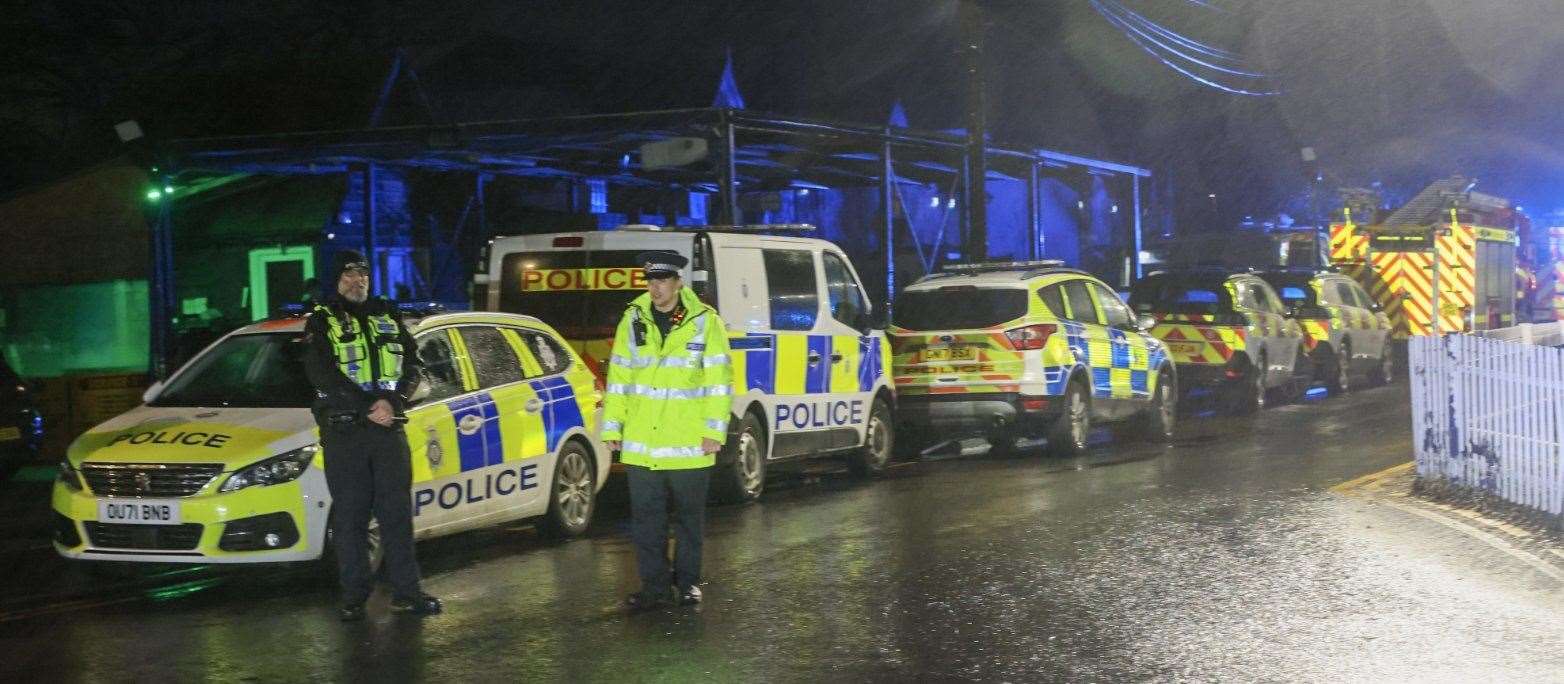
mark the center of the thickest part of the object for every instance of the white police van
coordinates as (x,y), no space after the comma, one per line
(811,360)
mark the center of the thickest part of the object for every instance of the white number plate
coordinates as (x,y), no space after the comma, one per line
(139,512)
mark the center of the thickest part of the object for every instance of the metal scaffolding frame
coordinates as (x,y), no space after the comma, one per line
(750,151)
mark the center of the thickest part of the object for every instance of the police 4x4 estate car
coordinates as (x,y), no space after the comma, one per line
(1024,349)
(1346,332)
(222,464)
(809,355)
(1226,330)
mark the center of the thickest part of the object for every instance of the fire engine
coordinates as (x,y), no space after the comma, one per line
(1444,262)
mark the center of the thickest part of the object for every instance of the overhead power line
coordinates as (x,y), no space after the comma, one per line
(1208,65)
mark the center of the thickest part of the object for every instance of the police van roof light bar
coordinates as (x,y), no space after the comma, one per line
(742,228)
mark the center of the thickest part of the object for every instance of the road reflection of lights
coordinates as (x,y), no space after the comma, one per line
(183,589)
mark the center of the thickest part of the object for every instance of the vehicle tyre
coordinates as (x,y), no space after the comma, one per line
(1248,395)
(879,442)
(741,477)
(573,496)
(328,552)
(1384,371)
(1073,427)
(1157,423)
(1340,379)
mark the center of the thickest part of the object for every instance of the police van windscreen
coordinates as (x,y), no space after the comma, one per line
(581,293)
(960,307)
(1181,295)
(244,371)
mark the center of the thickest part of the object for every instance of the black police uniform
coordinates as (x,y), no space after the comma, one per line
(368,467)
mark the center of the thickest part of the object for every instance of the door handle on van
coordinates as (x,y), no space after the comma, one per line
(469,424)
(534,405)
(836,358)
(814,358)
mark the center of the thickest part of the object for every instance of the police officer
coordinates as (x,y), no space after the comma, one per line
(666,413)
(363,364)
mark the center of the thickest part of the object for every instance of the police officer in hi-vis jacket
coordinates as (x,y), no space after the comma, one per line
(666,413)
(364,365)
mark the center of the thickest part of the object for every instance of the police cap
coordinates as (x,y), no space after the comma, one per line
(661,263)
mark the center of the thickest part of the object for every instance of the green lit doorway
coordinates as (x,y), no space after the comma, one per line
(277,276)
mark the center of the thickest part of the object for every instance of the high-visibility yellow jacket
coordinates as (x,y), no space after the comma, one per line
(665,395)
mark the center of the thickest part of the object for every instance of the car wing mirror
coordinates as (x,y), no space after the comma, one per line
(152,392)
(421,389)
(1146,322)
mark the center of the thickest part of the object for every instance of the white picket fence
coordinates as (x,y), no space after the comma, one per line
(1489,415)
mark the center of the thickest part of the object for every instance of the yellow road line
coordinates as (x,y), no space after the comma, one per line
(1357,482)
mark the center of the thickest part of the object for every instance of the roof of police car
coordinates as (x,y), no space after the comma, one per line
(1017,278)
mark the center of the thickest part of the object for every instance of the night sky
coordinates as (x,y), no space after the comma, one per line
(1392,91)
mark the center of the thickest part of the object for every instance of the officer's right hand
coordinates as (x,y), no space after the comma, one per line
(380,413)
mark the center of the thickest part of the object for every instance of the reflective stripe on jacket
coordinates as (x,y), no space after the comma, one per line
(664,396)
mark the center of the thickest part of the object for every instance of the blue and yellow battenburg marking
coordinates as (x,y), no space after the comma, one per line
(1120,365)
(779,364)
(518,421)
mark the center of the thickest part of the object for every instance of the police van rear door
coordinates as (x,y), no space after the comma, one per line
(580,283)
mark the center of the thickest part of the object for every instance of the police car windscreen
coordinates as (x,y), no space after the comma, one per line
(1293,290)
(581,293)
(958,308)
(244,371)
(1181,296)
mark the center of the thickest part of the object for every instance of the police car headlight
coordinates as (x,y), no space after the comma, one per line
(69,477)
(276,470)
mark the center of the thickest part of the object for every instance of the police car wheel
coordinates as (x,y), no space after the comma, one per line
(879,442)
(1071,430)
(742,477)
(1341,371)
(1384,371)
(573,496)
(1163,413)
(1248,395)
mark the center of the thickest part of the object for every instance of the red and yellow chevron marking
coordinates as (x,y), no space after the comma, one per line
(1406,278)
(1191,338)
(1347,244)
(1315,332)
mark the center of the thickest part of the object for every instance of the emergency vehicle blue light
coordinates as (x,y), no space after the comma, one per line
(1316,392)
(420,307)
(1291,293)
(292,308)
(1198,297)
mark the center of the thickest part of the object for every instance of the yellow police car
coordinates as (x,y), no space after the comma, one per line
(222,464)
(1024,349)
(1345,331)
(1226,330)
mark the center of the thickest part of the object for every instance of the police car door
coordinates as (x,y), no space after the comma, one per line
(854,344)
(800,400)
(504,476)
(431,429)
(1127,373)
(1093,345)
(561,409)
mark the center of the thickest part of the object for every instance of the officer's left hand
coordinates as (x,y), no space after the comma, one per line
(381,413)
(710,446)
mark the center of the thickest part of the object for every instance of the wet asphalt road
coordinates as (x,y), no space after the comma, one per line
(1222,558)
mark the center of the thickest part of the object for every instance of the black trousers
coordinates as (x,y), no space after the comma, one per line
(652,494)
(369,471)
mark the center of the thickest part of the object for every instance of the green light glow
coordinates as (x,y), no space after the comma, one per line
(154,195)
